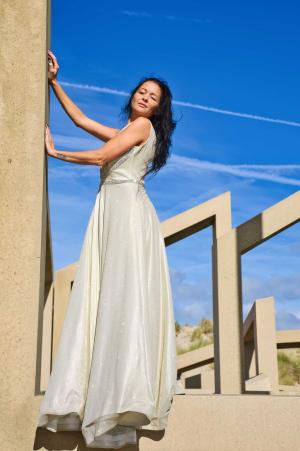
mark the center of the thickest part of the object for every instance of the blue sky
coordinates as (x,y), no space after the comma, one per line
(233,68)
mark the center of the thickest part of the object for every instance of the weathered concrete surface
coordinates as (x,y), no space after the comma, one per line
(23,212)
(211,423)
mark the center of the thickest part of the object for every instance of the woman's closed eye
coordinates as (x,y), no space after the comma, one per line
(152,97)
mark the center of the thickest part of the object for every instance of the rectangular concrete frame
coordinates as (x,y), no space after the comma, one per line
(260,343)
(227,251)
(261,322)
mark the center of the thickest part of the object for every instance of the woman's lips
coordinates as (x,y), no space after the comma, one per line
(142,104)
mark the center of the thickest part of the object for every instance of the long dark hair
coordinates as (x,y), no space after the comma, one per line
(162,121)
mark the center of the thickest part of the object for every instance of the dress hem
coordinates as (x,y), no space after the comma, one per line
(103,432)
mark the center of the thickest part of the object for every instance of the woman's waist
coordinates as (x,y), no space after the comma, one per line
(116,179)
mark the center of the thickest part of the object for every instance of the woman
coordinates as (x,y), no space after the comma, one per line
(115,368)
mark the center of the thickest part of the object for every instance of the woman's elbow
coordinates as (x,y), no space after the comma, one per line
(100,160)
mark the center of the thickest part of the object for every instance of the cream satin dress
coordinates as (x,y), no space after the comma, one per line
(115,368)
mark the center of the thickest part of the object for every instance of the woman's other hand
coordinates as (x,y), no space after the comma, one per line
(49,143)
(53,67)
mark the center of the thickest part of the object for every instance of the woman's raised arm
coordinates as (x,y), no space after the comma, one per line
(95,128)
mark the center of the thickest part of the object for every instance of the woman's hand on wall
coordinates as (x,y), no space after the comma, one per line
(49,143)
(53,67)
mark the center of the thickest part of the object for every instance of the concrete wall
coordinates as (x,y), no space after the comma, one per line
(210,423)
(25,264)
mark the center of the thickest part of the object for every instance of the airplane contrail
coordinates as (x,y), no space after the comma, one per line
(245,171)
(187,104)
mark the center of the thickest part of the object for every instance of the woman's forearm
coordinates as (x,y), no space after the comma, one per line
(91,157)
(68,105)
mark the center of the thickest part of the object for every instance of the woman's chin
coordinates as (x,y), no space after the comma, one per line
(140,112)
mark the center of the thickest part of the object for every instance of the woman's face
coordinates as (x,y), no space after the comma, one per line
(146,99)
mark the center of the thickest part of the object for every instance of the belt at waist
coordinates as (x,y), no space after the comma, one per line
(132,180)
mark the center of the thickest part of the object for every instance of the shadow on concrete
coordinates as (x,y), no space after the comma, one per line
(65,440)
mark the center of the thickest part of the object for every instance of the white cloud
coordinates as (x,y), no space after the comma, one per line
(75,142)
(187,19)
(173,18)
(285,288)
(136,13)
(286,320)
(182,163)
(192,299)
(72,171)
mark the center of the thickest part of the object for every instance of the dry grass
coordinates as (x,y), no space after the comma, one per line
(190,338)
(288,368)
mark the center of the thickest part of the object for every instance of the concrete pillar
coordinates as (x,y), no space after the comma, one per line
(228,315)
(25,263)
(265,340)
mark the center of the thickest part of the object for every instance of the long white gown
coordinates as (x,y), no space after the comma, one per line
(115,368)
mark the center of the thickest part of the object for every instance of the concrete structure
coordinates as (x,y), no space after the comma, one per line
(261,342)
(260,345)
(33,306)
(26,266)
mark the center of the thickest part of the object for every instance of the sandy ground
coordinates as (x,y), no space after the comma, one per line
(183,339)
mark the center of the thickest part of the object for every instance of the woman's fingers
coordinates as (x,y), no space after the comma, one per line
(54,67)
(52,56)
(48,139)
(51,69)
(48,134)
